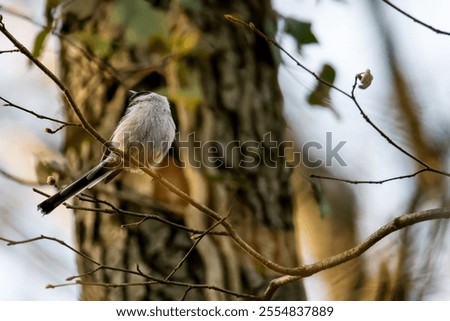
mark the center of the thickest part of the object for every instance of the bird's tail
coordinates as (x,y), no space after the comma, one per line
(91,178)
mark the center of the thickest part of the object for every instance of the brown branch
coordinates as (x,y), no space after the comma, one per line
(216,217)
(8,103)
(276,283)
(438,31)
(349,181)
(54,286)
(394,225)
(70,100)
(391,227)
(351,96)
(100,266)
(101,63)
(155,281)
(143,216)
(200,237)
(9,51)
(382,134)
(53,239)
(276,44)
(292,274)
(301,271)
(54,131)
(17,179)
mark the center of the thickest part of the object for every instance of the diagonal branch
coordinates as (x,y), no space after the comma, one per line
(9,51)
(8,103)
(350,95)
(100,266)
(338,259)
(331,178)
(291,274)
(438,31)
(70,100)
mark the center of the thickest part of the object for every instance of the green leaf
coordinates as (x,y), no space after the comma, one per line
(40,40)
(321,93)
(100,47)
(190,5)
(142,22)
(42,36)
(301,31)
(50,6)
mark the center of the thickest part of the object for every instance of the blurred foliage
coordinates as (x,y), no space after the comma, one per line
(301,31)
(136,23)
(190,5)
(142,25)
(321,93)
(303,35)
(141,22)
(42,36)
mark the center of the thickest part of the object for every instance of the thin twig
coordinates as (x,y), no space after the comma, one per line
(350,96)
(438,31)
(100,266)
(338,259)
(9,51)
(117,211)
(382,134)
(17,179)
(173,283)
(8,103)
(70,100)
(143,216)
(101,63)
(200,237)
(53,239)
(389,228)
(292,274)
(276,44)
(54,131)
(331,178)
(54,286)
(87,126)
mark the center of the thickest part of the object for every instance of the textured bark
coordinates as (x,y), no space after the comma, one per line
(240,102)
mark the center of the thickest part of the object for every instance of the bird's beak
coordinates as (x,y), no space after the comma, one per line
(132,92)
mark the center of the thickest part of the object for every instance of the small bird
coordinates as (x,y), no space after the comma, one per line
(145,133)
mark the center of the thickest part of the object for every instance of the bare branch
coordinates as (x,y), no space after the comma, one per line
(84,122)
(394,225)
(8,103)
(102,64)
(17,179)
(100,266)
(143,216)
(189,286)
(276,44)
(292,274)
(9,51)
(53,239)
(193,247)
(415,19)
(350,96)
(382,134)
(275,284)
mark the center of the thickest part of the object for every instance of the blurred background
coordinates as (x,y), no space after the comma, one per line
(408,99)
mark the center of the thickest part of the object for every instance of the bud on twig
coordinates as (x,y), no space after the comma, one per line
(365,78)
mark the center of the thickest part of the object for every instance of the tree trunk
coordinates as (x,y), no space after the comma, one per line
(222,80)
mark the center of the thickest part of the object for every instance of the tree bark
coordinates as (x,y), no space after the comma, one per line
(222,80)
